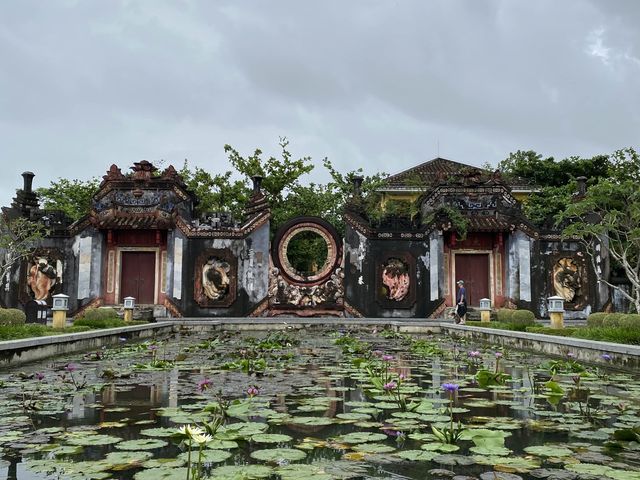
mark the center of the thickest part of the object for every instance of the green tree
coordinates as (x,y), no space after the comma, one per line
(555,180)
(216,193)
(73,197)
(18,238)
(608,217)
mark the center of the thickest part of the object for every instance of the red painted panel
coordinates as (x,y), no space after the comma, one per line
(473,269)
(138,276)
(147,238)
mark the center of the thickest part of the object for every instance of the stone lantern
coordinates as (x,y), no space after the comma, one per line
(485,310)
(129,305)
(60,308)
(555,306)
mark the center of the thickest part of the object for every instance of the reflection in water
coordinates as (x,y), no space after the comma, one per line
(318,381)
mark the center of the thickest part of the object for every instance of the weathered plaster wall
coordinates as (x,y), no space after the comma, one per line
(363,255)
(252,254)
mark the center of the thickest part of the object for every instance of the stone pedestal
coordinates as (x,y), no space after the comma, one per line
(557,319)
(128,315)
(485,316)
(59,318)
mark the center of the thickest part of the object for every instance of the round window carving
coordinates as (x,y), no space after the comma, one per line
(307,250)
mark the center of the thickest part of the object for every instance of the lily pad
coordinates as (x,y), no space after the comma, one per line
(278,455)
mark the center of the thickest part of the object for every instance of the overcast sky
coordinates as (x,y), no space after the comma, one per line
(372,84)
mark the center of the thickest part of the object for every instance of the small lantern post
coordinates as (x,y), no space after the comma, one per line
(485,310)
(555,306)
(60,308)
(129,304)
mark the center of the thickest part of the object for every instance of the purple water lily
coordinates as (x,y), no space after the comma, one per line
(387,358)
(390,386)
(204,384)
(253,391)
(71,367)
(606,357)
(450,387)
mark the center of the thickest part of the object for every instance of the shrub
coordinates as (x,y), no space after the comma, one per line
(504,314)
(595,319)
(612,320)
(558,332)
(12,316)
(99,322)
(631,320)
(15,332)
(523,317)
(101,313)
(498,325)
(610,334)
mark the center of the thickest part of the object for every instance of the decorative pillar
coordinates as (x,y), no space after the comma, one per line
(556,311)
(60,308)
(485,310)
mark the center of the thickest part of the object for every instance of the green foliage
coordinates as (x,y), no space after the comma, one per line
(99,313)
(18,238)
(547,172)
(99,323)
(14,332)
(610,334)
(610,211)
(523,317)
(560,332)
(73,197)
(448,214)
(542,207)
(426,348)
(307,253)
(352,345)
(504,314)
(12,316)
(487,378)
(596,319)
(216,193)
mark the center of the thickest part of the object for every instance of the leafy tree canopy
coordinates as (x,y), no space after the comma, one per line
(73,197)
(18,238)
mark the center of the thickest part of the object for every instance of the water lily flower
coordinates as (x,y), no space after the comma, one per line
(390,386)
(571,355)
(191,430)
(71,367)
(607,357)
(474,354)
(202,438)
(498,355)
(152,347)
(402,376)
(204,384)
(387,358)
(450,387)
(39,375)
(253,391)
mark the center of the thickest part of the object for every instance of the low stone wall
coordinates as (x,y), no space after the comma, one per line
(14,352)
(623,356)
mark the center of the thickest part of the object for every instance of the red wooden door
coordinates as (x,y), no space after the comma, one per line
(473,269)
(138,276)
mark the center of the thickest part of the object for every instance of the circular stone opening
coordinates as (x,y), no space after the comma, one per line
(307,253)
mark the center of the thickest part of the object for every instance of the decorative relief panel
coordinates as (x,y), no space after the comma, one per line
(396,280)
(569,280)
(43,275)
(215,282)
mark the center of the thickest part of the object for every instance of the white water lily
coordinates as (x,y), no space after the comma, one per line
(202,438)
(191,431)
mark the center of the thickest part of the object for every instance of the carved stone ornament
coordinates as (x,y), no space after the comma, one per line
(396,280)
(43,275)
(567,279)
(215,281)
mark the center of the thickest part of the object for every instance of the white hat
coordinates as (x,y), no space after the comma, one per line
(460,282)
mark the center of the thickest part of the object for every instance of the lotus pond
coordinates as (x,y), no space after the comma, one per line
(360,404)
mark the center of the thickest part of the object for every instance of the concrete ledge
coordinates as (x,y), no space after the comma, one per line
(13,352)
(591,351)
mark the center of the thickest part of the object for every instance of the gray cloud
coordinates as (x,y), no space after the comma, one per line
(377,84)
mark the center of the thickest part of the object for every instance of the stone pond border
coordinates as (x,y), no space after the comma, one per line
(15,352)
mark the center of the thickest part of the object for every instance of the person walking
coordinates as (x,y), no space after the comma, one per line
(461,303)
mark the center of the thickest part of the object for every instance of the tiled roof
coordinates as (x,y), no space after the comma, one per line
(433,172)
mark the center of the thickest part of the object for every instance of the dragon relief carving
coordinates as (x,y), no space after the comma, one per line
(282,292)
